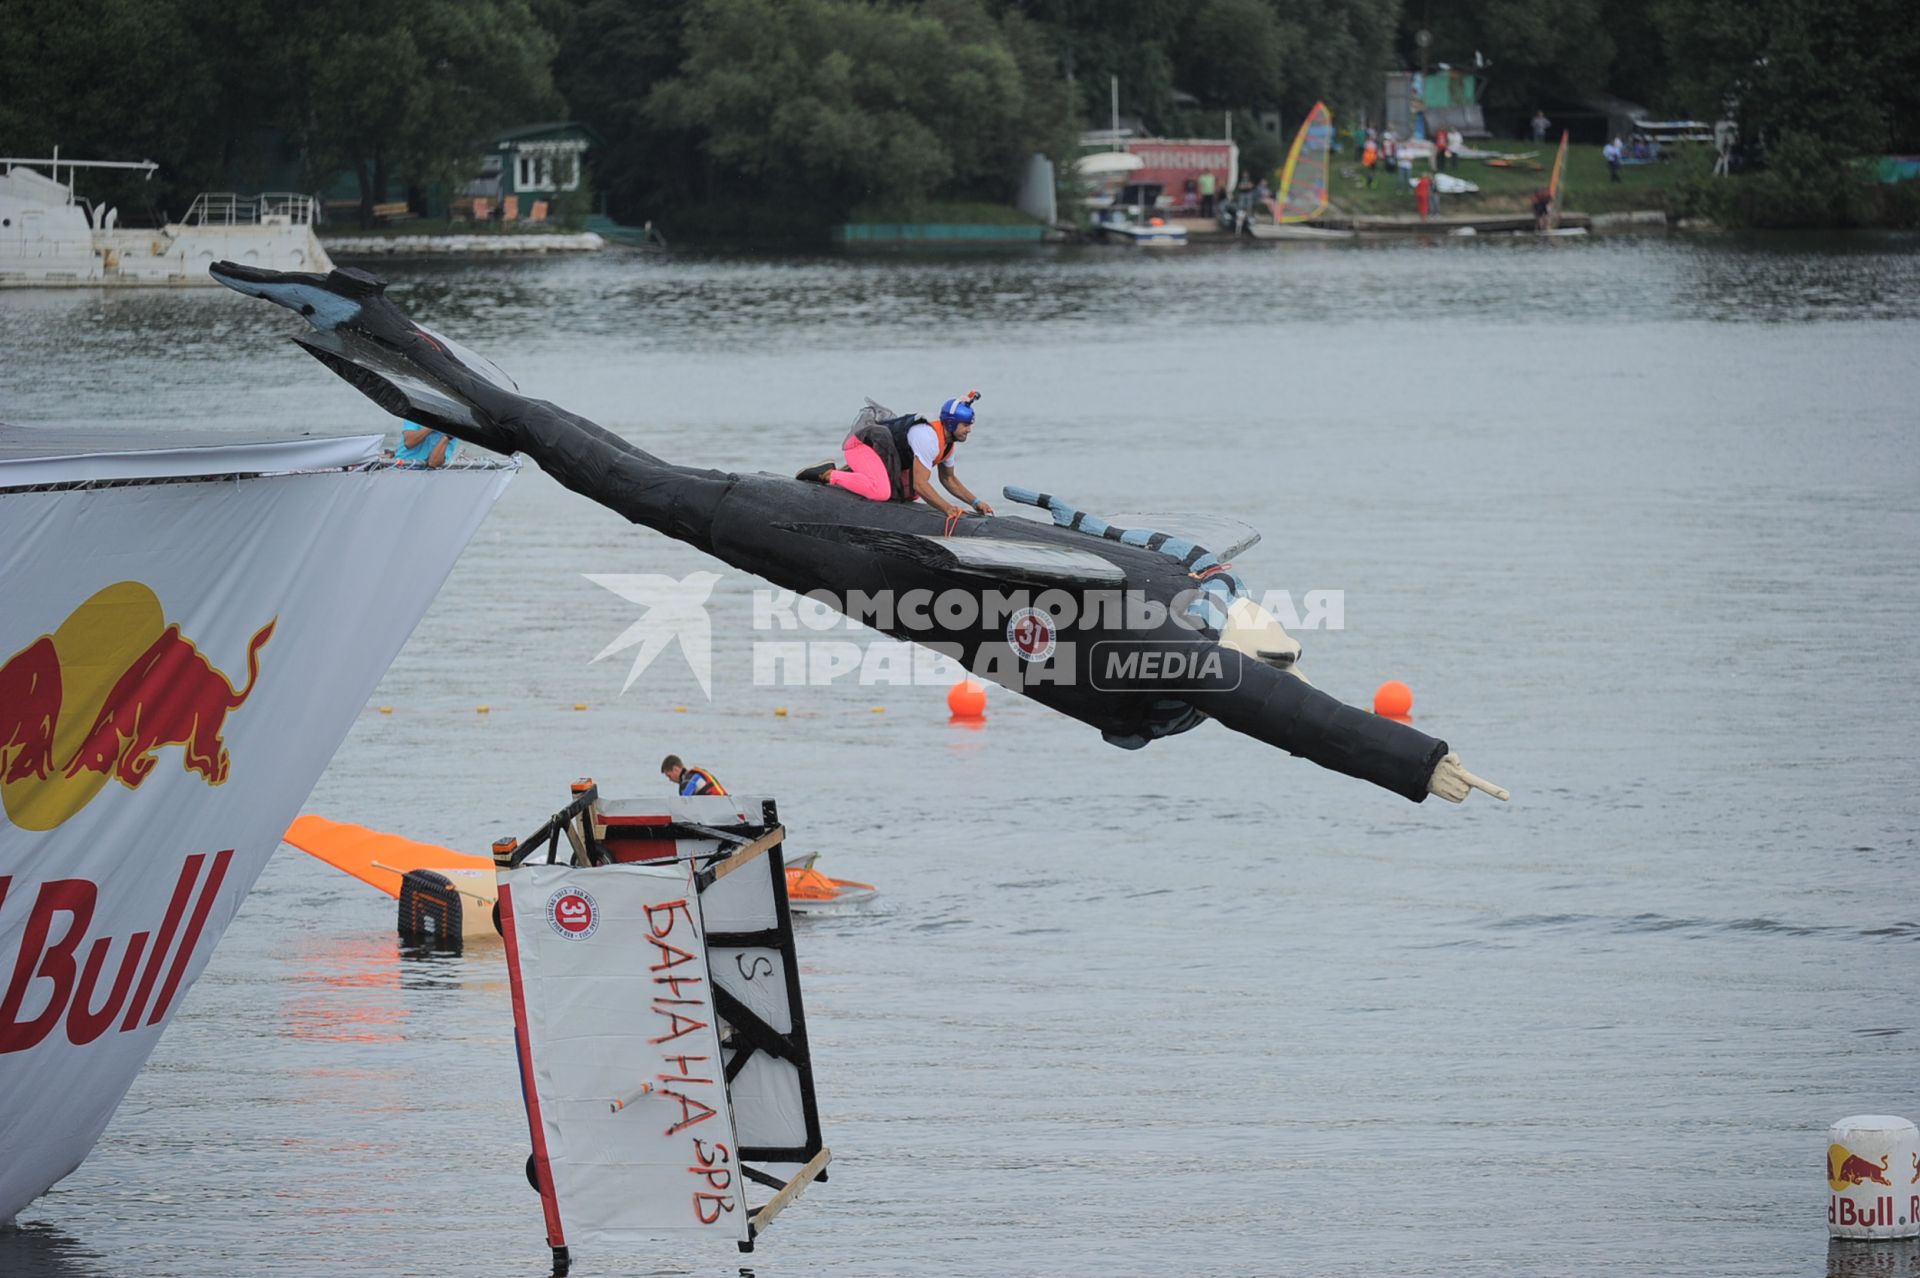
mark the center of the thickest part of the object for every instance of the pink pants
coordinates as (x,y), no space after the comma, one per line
(869,475)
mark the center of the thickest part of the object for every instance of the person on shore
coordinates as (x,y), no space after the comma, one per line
(689,781)
(1540,123)
(1208,189)
(424,447)
(1455,142)
(1423,195)
(1542,209)
(1370,158)
(1611,154)
(1439,150)
(896,458)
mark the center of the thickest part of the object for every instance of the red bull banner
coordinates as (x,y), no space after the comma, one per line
(179,659)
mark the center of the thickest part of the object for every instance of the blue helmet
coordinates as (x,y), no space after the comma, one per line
(959,412)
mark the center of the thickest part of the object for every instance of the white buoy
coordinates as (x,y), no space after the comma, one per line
(1873,1171)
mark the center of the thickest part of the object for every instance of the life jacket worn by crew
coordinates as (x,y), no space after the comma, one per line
(699,781)
(943,443)
(887,436)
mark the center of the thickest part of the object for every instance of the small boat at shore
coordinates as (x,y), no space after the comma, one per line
(1130,218)
(1151,233)
(52,237)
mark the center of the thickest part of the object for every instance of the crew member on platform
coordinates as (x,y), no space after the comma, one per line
(423,446)
(689,781)
(895,459)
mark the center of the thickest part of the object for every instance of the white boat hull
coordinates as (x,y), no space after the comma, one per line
(47,241)
(1145,236)
(1296,231)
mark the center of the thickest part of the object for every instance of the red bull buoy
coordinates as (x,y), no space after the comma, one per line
(1873,1177)
(967,700)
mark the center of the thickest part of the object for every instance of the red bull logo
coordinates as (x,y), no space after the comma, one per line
(63,976)
(100,697)
(1846,1169)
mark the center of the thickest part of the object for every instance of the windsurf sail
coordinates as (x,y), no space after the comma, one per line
(1553,186)
(1303,183)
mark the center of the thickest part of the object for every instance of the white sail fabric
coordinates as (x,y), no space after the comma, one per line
(1303,183)
(179,661)
(620,1055)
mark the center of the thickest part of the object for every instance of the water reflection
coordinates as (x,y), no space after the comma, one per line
(1855,1258)
(628,303)
(1648,558)
(39,1250)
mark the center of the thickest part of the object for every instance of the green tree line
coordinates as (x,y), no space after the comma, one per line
(759,114)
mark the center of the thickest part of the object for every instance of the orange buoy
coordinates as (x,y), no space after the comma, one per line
(967,699)
(1394,699)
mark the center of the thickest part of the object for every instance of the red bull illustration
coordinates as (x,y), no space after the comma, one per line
(1846,1169)
(101,696)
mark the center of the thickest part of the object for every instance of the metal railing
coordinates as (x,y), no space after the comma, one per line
(224,208)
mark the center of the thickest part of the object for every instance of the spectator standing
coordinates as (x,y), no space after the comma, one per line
(1540,123)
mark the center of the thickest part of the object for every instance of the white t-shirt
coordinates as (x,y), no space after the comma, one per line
(925,444)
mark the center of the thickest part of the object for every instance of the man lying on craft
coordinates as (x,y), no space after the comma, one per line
(894,458)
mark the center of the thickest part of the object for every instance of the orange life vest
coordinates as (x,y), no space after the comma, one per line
(942,442)
(713,783)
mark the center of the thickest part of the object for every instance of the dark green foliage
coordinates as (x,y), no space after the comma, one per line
(810,107)
(778,116)
(405,88)
(219,89)
(612,54)
(1536,47)
(113,80)
(1843,72)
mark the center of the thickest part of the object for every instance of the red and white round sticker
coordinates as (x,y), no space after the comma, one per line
(1030,634)
(572,913)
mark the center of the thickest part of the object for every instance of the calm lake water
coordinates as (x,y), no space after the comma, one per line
(1636,519)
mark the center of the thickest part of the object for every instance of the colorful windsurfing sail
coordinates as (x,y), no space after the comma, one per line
(1303,182)
(1553,186)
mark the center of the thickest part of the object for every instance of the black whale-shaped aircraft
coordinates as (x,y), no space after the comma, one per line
(1140,633)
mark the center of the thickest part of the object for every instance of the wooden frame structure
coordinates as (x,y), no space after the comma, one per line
(763,1051)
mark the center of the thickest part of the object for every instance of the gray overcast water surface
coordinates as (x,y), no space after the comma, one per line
(1636,519)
